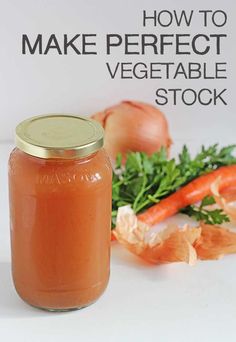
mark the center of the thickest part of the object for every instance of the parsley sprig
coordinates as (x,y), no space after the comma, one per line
(201,213)
(145,180)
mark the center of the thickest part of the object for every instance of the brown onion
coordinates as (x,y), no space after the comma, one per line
(133,126)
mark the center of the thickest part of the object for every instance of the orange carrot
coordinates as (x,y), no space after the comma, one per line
(189,194)
(113,238)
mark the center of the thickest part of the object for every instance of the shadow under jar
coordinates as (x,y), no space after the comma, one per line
(60,182)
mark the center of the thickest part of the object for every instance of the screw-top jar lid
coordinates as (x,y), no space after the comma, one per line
(59,136)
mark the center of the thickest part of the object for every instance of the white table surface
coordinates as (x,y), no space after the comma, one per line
(173,302)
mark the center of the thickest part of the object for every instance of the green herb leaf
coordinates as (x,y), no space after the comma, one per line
(145,180)
(200,213)
(208,200)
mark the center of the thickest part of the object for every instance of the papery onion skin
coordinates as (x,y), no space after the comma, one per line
(215,242)
(173,244)
(133,126)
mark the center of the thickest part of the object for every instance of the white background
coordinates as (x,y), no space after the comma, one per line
(142,303)
(38,84)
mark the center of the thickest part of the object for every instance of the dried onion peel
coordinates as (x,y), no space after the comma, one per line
(215,242)
(225,202)
(172,244)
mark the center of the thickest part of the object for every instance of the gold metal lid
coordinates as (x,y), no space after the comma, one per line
(59,136)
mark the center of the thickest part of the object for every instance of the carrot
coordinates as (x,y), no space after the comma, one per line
(189,194)
(113,238)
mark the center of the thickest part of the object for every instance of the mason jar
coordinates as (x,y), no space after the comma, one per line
(60,182)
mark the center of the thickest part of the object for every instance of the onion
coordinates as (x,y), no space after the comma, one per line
(133,126)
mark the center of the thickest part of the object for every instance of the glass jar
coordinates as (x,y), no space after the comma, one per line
(60,181)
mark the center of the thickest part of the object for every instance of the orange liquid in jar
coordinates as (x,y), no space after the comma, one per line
(60,213)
